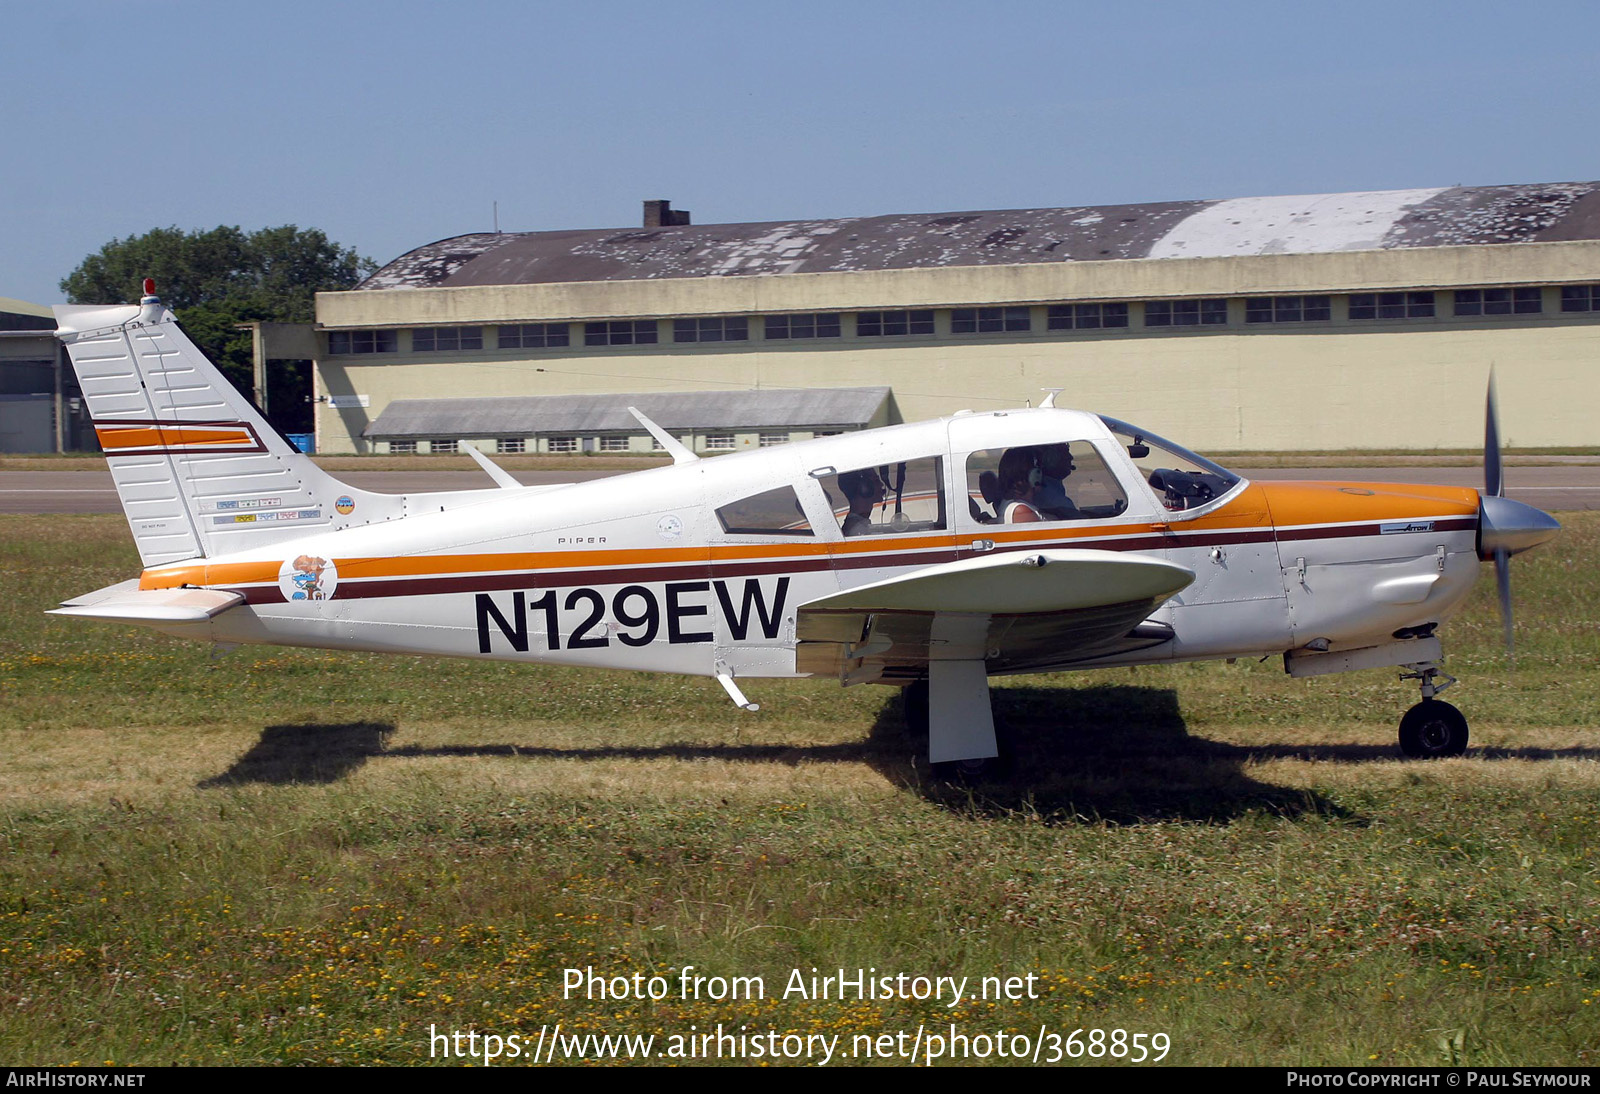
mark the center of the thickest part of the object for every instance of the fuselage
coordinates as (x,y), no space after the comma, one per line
(702,567)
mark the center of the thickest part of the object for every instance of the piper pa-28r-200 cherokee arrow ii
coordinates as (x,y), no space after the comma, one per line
(930,555)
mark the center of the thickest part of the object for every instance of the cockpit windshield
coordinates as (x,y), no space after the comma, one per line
(1181,479)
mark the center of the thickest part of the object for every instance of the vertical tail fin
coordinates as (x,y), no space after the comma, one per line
(198,470)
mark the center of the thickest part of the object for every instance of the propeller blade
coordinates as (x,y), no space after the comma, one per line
(1502,577)
(1493,479)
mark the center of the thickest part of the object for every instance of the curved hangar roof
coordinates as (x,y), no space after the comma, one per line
(1180,229)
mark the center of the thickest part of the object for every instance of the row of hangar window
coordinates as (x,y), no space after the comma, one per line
(615,442)
(996,320)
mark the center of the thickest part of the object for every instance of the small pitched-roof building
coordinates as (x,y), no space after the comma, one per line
(1356,320)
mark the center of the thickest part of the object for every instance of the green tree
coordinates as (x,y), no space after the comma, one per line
(214,280)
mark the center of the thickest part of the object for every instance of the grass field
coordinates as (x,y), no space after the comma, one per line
(301,856)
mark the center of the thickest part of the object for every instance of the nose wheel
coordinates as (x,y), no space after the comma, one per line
(1432,730)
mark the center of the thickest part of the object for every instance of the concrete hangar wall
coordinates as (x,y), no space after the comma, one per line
(1359,320)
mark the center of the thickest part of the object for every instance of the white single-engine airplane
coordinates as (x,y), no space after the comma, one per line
(930,555)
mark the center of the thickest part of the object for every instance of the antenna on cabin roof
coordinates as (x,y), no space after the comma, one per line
(666,440)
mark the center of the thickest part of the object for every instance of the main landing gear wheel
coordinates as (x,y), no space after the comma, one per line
(970,772)
(1432,730)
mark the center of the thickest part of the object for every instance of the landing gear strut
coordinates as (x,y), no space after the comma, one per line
(1432,730)
(914,708)
(951,706)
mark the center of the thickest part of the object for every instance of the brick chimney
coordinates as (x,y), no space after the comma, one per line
(661,214)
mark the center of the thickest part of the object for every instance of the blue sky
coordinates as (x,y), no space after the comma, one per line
(390,125)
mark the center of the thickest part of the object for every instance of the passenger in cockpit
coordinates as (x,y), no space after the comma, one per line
(862,489)
(1019,477)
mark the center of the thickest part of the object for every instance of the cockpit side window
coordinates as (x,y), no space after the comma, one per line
(1042,483)
(774,512)
(889,498)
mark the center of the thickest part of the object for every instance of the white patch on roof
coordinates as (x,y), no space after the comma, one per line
(784,249)
(1290,225)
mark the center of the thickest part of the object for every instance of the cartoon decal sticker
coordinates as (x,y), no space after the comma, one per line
(345,505)
(308,577)
(669,527)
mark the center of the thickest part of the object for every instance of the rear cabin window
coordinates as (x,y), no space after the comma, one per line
(770,513)
(889,498)
(1044,482)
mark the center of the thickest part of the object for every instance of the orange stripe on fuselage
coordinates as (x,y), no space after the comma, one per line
(1290,504)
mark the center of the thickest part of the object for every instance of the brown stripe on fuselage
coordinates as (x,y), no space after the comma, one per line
(1440,524)
(362,589)
(1246,519)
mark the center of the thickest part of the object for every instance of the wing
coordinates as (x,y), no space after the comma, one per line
(1015,612)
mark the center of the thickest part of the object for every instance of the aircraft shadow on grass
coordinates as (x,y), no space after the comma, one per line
(1108,754)
(1117,754)
(311,754)
(317,753)
(1087,755)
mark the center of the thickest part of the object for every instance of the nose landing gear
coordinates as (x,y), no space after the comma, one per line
(1432,729)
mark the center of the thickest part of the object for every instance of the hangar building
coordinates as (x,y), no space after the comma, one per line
(41,409)
(1334,321)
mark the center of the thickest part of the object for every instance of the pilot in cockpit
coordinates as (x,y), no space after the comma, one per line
(1053,463)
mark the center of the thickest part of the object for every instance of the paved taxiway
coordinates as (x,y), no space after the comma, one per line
(1553,487)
